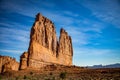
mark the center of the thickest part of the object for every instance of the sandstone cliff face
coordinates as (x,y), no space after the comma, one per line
(65,50)
(43,42)
(43,32)
(44,49)
(7,63)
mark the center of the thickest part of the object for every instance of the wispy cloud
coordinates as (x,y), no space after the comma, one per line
(80,34)
(93,51)
(78,37)
(69,13)
(21,7)
(91,56)
(13,40)
(82,19)
(57,16)
(104,12)
(11,51)
(5,24)
(93,26)
(20,35)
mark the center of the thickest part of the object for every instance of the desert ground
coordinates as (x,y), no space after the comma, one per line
(55,72)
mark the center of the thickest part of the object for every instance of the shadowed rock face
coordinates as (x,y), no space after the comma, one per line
(44,48)
(23,60)
(7,63)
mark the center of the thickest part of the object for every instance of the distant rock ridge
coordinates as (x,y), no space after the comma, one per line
(116,65)
(44,48)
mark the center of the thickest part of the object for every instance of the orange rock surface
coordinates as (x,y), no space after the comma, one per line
(7,63)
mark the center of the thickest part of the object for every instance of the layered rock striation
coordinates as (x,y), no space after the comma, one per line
(44,48)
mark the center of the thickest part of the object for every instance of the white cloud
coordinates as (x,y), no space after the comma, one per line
(11,51)
(80,33)
(59,18)
(55,15)
(107,11)
(14,40)
(5,24)
(94,56)
(69,13)
(15,34)
(94,27)
(28,8)
(92,51)
(20,7)
(78,37)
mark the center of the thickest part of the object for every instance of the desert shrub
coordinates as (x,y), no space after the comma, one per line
(51,73)
(63,75)
(31,73)
(9,79)
(104,72)
(17,78)
(25,77)
(33,78)
(53,78)
(47,79)
(0,77)
(71,79)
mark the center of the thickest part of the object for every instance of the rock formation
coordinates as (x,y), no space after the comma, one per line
(65,51)
(44,48)
(7,63)
(23,60)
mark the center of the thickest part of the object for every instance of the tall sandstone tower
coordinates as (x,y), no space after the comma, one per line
(44,48)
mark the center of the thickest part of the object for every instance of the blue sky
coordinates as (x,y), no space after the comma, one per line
(94,26)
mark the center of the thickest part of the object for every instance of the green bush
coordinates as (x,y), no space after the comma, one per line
(0,77)
(51,73)
(31,73)
(53,78)
(25,77)
(17,78)
(47,79)
(63,75)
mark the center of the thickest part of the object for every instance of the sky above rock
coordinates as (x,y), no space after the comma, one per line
(94,26)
